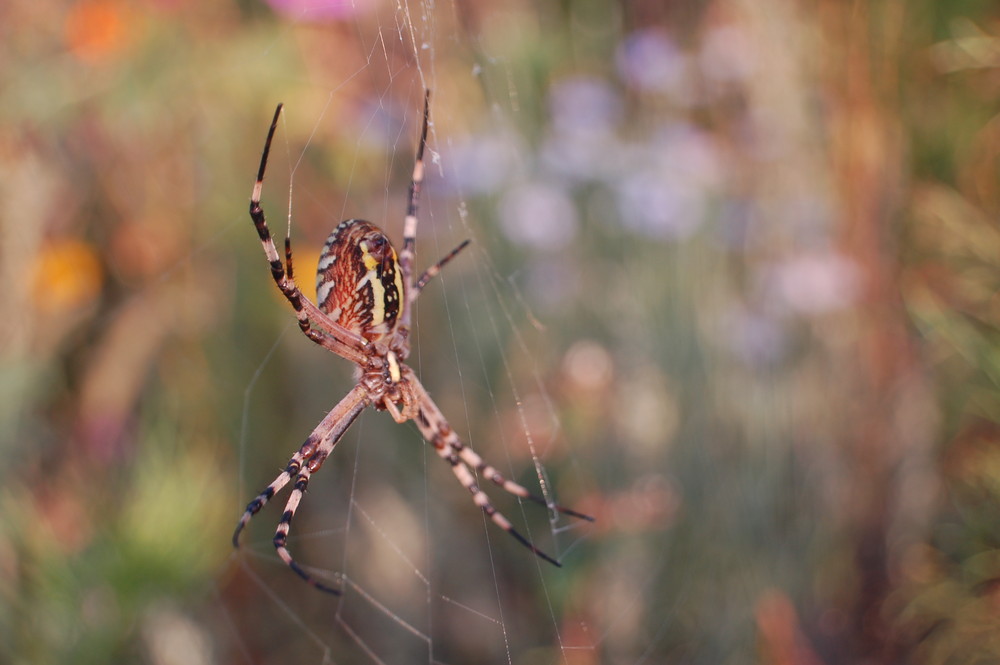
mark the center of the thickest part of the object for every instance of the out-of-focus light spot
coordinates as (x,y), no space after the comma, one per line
(588,366)
(397,516)
(817,283)
(919,563)
(648,413)
(319,10)
(69,525)
(653,204)
(97,30)
(538,418)
(666,192)
(482,164)
(726,55)
(552,283)
(175,535)
(650,61)
(100,607)
(755,338)
(172,638)
(377,122)
(66,275)
(780,632)
(581,156)
(170,5)
(141,250)
(735,223)
(582,143)
(971,48)
(650,504)
(584,105)
(539,216)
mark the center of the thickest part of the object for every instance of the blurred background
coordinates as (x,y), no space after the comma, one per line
(732,290)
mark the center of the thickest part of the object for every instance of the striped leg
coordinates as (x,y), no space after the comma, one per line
(432,272)
(285,525)
(408,254)
(276,485)
(438,432)
(304,463)
(336,338)
(473,459)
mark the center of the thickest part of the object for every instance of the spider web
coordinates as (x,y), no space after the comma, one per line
(675,315)
(426,576)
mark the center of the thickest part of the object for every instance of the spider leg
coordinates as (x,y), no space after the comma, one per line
(285,525)
(305,462)
(479,497)
(338,339)
(408,253)
(435,429)
(474,460)
(276,485)
(432,272)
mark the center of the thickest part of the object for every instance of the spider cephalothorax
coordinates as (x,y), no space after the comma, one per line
(365,292)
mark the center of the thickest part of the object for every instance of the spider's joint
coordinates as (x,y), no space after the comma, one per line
(316,461)
(394,411)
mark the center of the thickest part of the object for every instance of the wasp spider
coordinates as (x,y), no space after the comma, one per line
(365,293)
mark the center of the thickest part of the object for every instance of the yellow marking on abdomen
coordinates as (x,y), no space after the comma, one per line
(398,281)
(378,290)
(378,297)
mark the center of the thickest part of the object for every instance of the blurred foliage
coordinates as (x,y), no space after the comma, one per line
(733,282)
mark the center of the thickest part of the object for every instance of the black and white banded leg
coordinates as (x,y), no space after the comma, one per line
(407,256)
(436,430)
(305,462)
(341,341)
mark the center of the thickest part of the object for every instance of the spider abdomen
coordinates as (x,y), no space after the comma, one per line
(359,283)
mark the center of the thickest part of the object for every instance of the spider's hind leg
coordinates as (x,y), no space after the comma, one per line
(304,463)
(436,430)
(301,456)
(285,525)
(483,501)
(474,460)
(261,499)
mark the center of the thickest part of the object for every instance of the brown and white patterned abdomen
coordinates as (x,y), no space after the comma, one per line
(358,280)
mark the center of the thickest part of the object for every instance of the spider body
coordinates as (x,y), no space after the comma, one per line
(359,283)
(365,291)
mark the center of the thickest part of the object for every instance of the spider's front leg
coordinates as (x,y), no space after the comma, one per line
(408,254)
(326,333)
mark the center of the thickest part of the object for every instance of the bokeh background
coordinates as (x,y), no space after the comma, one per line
(732,290)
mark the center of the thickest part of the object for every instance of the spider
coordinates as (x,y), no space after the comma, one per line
(365,293)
